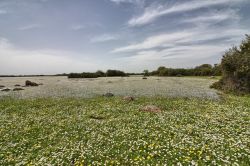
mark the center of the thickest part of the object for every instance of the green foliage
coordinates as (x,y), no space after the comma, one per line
(217,71)
(103,131)
(145,72)
(115,73)
(202,70)
(82,75)
(235,66)
(100,73)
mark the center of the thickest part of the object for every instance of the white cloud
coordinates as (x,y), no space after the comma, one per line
(128,1)
(207,35)
(194,51)
(137,3)
(78,27)
(3,11)
(103,38)
(28,27)
(189,37)
(20,61)
(4,43)
(180,56)
(203,42)
(153,12)
(214,16)
(155,41)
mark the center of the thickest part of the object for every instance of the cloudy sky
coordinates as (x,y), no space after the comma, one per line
(56,36)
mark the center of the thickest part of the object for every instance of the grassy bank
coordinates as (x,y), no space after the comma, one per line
(111,131)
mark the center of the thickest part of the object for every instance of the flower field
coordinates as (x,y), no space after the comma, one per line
(110,131)
(119,86)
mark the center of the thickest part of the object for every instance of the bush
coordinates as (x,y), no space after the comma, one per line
(82,75)
(145,73)
(100,73)
(235,67)
(202,70)
(115,73)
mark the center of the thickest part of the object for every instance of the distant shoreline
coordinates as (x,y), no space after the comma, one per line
(31,75)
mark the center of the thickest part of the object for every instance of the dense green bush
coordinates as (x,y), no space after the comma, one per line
(99,73)
(82,75)
(217,70)
(114,73)
(202,70)
(235,66)
(145,73)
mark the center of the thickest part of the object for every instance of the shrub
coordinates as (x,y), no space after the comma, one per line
(82,75)
(202,70)
(235,66)
(100,73)
(217,70)
(114,73)
(145,73)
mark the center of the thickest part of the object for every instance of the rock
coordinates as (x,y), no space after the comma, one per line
(17,89)
(128,98)
(6,90)
(29,83)
(17,85)
(151,108)
(96,117)
(144,78)
(108,95)
(2,86)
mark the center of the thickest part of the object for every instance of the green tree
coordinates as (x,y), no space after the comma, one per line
(100,73)
(217,70)
(235,67)
(113,73)
(145,72)
(204,70)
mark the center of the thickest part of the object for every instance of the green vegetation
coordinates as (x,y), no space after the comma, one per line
(145,73)
(202,70)
(99,73)
(82,75)
(236,69)
(108,130)
(115,73)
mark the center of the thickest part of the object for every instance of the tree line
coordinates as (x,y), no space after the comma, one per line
(99,73)
(202,70)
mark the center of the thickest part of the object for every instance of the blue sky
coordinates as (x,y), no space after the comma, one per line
(56,36)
